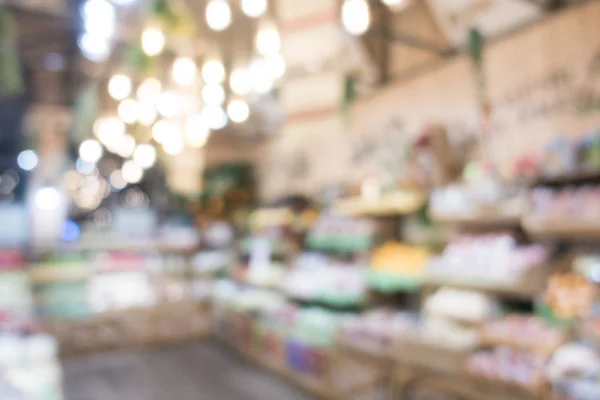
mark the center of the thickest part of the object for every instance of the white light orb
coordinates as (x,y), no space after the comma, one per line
(148,114)
(268,41)
(108,129)
(275,65)
(168,104)
(213,93)
(99,18)
(184,71)
(163,129)
(131,172)
(125,146)
(145,156)
(119,87)
(149,90)
(196,131)
(393,3)
(90,151)
(260,78)
(116,180)
(213,71)
(173,144)
(123,2)
(239,81)
(214,116)
(254,8)
(238,111)
(84,167)
(94,47)
(218,15)
(47,198)
(27,160)
(153,41)
(129,111)
(356,16)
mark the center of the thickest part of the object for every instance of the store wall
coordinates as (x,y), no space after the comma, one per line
(542,82)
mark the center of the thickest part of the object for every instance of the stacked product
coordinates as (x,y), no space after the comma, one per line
(484,200)
(572,205)
(60,286)
(377,330)
(315,277)
(337,233)
(29,365)
(487,259)
(397,266)
(575,372)
(521,347)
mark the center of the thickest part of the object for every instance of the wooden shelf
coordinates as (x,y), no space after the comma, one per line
(562,229)
(500,288)
(395,203)
(577,177)
(501,221)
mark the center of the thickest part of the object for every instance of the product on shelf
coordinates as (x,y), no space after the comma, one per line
(461,305)
(570,295)
(395,265)
(574,371)
(317,277)
(334,232)
(565,157)
(483,200)
(505,364)
(490,258)
(377,330)
(570,205)
(522,332)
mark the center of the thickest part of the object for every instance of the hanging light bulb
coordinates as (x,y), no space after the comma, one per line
(275,64)
(168,104)
(213,94)
(254,8)
(108,130)
(145,156)
(90,151)
(239,81)
(129,111)
(196,131)
(184,71)
(149,90)
(153,41)
(214,116)
(147,114)
(163,129)
(99,18)
(119,87)
(218,15)
(131,172)
(213,71)
(173,144)
(124,146)
(356,16)
(268,41)
(93,47)
(259,76)
(238,110)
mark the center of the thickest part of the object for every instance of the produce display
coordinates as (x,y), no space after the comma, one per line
(523,332)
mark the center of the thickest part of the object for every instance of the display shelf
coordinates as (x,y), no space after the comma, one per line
(522,290)
(52,274)
(508,220)
(562,229)
(394,203)
(575,177)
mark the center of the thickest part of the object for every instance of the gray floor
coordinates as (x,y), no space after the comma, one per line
(197,372)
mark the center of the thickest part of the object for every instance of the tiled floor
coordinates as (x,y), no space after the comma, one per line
(197,372)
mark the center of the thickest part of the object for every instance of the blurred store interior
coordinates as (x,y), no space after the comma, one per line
(285,199)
